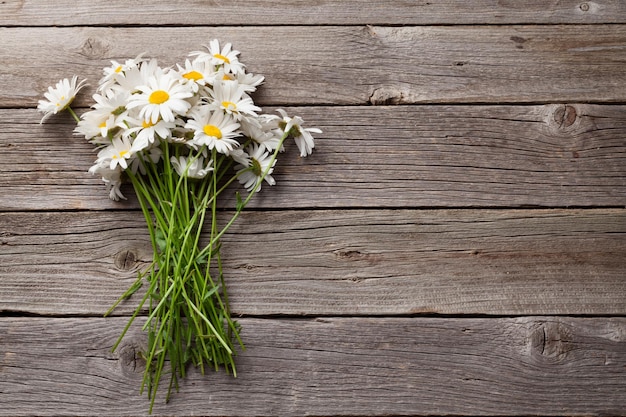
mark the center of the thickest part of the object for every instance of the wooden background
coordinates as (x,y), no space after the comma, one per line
(455,246)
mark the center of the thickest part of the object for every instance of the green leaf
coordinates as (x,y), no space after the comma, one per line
(161,240)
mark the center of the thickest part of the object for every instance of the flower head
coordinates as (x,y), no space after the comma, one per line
(196,73)
(192,167)
(225,58)
(214,129)
(292,126)
(147,133)
(162,97)
(116,73)
(229,97)
(111,177)
(262,130)
(60,97)
(117,153)
(109,115)
(259,164)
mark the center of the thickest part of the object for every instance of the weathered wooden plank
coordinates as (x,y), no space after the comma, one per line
(347,65)
(378,156)
(554,366)
(351,262)
(305,12)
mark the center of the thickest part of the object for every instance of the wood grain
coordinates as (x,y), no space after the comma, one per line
(304,12)
(332,366)
(346,65)
(347,262)
(554,155)
(471,174)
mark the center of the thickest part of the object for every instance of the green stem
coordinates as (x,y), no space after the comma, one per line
(254,189)
(74,115)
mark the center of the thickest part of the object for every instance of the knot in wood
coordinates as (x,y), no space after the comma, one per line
(551,341)
(386,95)
(93,48)
(130,359)
(565,116)
(125,260)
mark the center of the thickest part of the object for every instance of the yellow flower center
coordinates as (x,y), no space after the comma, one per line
(118,69)
(228,77)
(229,105)
(146,124)
(212,130)
(158,97)
(103,124)
(222,57)
(120,155)
(193,75)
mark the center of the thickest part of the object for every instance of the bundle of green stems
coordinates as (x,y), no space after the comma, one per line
(189,319)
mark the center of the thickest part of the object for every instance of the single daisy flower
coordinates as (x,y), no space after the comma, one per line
(145,133)
(108,114)
(117,72)
(60,97)
(262,130)
(192,167)
(225,58)
(163,97)
(249,82)
(137,75)
(230,97)
(90,126)
(117,153)
(293,127)
(196,74)
(240,156)
(111,177)
(260,160)
(213,129)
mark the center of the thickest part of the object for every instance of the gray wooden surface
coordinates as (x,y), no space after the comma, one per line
(455,246)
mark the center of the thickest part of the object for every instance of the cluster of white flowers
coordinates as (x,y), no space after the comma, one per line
(173,132)
(204,105)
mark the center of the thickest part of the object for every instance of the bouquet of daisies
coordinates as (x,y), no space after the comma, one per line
(182,136)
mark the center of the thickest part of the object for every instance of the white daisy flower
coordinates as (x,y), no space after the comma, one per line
(230,98)
(137,75)
(117,153)
(60,97)
(262,130)
(111,177)
(109,114)
(240,156)
(192,167)
(293,127)
(249,82)
(196,73)
(249,175)
(226,58)
(117,72)
(90,125)
(146,133)
(162,97)
(213,129)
